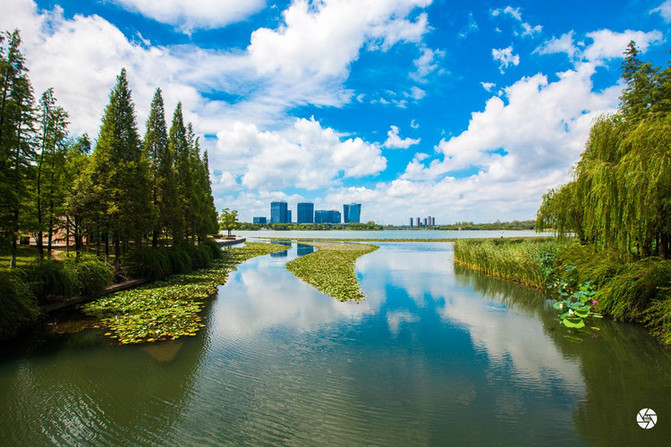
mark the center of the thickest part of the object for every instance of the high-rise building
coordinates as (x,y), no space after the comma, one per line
(305,213)
(279,212)
(260,220)
(352,213)
(419,221)
(289,220)
(327,216)
(411,222)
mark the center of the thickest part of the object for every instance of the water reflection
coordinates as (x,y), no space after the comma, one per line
(435,355)
(260,296)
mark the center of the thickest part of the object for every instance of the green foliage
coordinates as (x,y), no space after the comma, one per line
(213,247)
(93,276)
(120,170)
(17,151)
(19,309)
(228,220)
(620,196)
(180,261)
(169,309)
(148,263)
(51,280)
(521,260)
(657,316)
(331,269)
(638,284)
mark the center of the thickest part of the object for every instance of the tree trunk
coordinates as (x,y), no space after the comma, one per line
(664,246)
(117,252)
(67,236)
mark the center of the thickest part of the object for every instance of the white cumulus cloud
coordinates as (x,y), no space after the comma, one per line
(394,141)
(194,14)
(505,58)
(305,155)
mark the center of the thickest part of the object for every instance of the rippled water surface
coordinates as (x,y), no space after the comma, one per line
(434,356)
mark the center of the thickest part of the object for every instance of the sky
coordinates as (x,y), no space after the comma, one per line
(462,110)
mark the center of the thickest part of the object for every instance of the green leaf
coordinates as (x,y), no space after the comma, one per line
(573,323)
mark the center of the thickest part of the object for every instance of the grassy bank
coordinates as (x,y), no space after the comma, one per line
(517,260)
(638,291)
(331,269)
(166,310)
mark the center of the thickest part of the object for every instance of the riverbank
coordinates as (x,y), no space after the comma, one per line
(331,269)
(167,310)
(638,292)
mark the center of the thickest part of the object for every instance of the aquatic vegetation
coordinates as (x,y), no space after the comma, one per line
(331,269)
(520,260)
(166,310)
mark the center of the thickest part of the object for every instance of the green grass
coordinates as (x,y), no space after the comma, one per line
(331,269)
(166,310)
(24,256)
(517,260)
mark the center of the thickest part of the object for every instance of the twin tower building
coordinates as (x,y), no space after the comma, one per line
(306,213)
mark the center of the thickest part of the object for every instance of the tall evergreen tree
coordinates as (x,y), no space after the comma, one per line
(121,169)
(162,170)
(179,148)
(51,185)
(17,151)
(81,205)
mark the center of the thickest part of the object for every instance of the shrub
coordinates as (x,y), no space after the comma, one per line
(148,263)
(199,254)
(589,264)
(17,302)
(51,280)
(93,276)
(658,316)
(215,249)
(179,259)
(637,286)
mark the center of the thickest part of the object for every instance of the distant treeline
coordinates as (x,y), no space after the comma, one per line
(370,226)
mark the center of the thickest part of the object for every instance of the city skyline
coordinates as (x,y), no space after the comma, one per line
(306,214)
(466,111)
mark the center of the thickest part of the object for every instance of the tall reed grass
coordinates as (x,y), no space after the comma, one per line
(520,260)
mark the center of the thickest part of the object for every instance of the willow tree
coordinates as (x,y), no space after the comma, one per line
(620,196)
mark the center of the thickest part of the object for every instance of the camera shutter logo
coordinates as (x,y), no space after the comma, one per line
(646,418)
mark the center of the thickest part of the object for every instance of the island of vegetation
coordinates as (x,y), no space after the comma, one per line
(613,219)
(331,269)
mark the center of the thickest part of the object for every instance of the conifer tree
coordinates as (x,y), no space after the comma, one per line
(50,185)
(17,151)
(121,169)
(179,148)
(162,170)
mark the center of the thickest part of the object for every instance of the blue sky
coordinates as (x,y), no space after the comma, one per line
(462,110)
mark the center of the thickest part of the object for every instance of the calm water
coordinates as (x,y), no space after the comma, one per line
(434,356)
(390,234)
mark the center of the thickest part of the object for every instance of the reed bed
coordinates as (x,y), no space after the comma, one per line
(520,260)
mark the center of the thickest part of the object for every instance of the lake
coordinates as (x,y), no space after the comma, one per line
(389,234)
(436,355)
